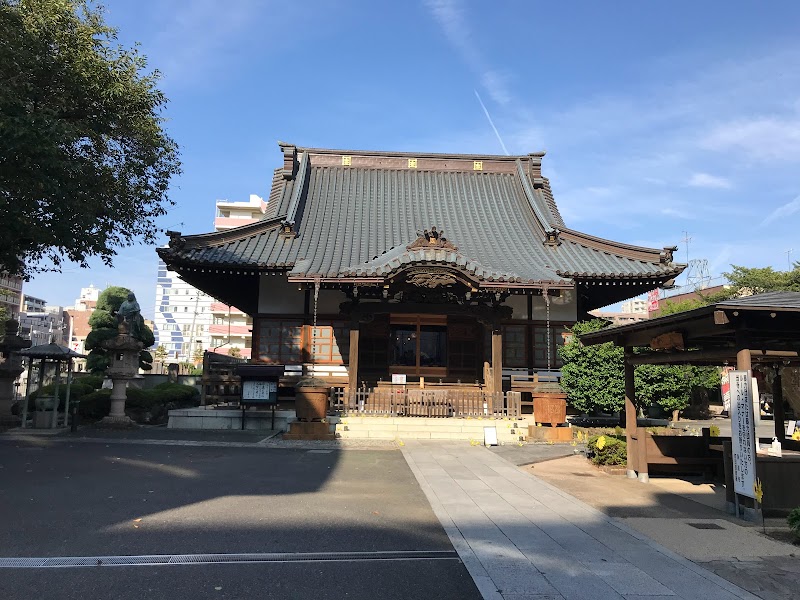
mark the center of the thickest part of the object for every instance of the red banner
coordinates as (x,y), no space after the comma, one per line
(652,301)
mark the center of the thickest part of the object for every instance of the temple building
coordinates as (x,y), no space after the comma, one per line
(451,267)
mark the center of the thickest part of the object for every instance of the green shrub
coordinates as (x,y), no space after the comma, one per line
(95,405)
(78,390)
(143,405)
(794,522)
(93,381)
(176,392)
(607,450)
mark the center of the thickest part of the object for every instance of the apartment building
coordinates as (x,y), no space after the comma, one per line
(188,321)
(10,294)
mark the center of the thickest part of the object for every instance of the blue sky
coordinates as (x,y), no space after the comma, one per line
(658,118)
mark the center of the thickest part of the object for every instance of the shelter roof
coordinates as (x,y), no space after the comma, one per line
(51,351)
(767,323)
(346,214)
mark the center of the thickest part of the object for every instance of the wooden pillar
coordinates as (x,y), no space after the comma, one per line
(641,454)
(777,405)
(630,415)
(743,362)
(497,359)
(352,368)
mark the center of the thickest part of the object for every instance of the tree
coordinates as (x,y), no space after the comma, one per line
(3,319)
(235,352)
(104,327)
(84,160)
(592,376)
(161,352)
(197,355)
(746,280)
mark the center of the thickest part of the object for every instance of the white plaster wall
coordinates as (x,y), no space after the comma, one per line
(329,301)
(563,308)
(519,305)
(278,296)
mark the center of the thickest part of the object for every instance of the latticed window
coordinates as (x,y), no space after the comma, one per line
(332,343)
(514,346)
(280,341)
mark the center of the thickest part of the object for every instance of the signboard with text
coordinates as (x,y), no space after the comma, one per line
(259,392)
(743,435)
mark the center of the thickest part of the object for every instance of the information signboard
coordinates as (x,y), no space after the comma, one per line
(259,392)
(743,435)
(399,378)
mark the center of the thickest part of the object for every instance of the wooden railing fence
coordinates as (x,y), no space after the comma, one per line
(425,403)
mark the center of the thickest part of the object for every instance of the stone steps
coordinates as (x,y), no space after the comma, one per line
(410,428)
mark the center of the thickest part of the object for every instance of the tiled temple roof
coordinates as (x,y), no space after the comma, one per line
(340,214)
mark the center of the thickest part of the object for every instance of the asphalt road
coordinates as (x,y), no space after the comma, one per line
(62,499)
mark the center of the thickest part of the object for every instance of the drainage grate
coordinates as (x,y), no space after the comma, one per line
(190,559)
(705,526)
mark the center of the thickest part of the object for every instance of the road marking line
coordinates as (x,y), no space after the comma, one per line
(23,562)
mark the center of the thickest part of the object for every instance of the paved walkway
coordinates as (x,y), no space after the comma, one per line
(523,539)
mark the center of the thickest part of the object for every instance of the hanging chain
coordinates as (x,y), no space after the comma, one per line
(314,326)
(549,340)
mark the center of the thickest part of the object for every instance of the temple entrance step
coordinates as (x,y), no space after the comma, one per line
(411,428)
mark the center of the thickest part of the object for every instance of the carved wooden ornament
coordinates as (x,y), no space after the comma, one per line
(431,280)
(668,341)
(431,239)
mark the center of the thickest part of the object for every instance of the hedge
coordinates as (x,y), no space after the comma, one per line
(607,449)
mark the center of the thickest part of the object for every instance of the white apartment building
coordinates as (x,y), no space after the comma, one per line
(188,321)
(182,317)
(635,305)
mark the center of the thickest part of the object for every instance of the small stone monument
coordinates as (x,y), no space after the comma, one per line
(10,366)
(123,350)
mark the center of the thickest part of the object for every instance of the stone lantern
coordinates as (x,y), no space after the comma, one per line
(10,367)
(123,350)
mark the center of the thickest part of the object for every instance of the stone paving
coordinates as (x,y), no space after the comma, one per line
(523,539)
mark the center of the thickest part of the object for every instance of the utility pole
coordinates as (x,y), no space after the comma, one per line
(789,257)
(686,239)
(193,337)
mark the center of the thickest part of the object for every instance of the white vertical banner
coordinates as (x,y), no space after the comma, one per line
(743,434)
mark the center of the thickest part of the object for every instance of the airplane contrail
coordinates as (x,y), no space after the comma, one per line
(488,116)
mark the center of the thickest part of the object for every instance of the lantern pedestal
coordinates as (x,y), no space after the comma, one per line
(10,368)
(124,352)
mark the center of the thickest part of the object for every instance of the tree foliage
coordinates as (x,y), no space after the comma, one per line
(592,376)
(757,280)
(104,327)
(161,352)
(3,319)
(84,160)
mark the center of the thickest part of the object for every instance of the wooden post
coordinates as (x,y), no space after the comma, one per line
(630,416)
(743,362)
(497,359)
(352,368)
(641,454)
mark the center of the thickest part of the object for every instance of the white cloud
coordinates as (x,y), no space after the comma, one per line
(782,211)
(762,138)
(450,16)
(704,180)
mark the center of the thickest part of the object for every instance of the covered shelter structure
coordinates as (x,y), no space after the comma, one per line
(50,354)
(454,268)
(760,330)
